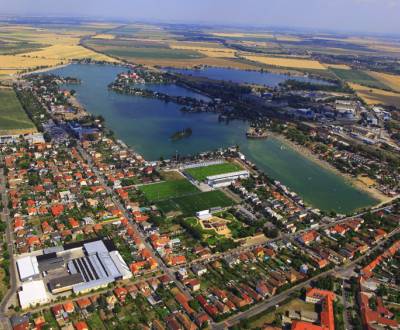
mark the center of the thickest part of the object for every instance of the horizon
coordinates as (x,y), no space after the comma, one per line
(355,16)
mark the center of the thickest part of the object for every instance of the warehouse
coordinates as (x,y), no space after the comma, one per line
(64,283)
(226,179)
(32,293)
(79,266)
(28,268)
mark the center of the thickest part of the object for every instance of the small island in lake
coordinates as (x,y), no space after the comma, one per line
(183,134)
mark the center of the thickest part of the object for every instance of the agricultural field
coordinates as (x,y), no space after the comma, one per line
(29,48)
(13,119)
(201,173)
(191,204)
(392,81)
(168,190)
(358,77)
(294,63)
(374,96)
(209,50)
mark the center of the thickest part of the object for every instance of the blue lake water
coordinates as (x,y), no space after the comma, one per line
(146,125)
(243,76)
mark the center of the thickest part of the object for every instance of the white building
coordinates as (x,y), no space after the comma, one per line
(33,293)
(28,268)
(224,180)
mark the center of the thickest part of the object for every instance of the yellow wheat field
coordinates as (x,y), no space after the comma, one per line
(68,52)
(242,35)
(208,51)
(338,66)
(373,96)
(295,63)
(56,48)
(20,62)
(287,38)
(104,36)
(389,80)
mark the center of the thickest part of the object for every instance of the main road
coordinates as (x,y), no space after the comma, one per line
(5,217)
(148,246)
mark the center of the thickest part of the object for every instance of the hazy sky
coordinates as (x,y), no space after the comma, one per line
(351,15)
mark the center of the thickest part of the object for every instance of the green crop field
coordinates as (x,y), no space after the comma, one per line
(155,51)
(12,115)
(190,204)
(358,77)
(201,173)
(168,190)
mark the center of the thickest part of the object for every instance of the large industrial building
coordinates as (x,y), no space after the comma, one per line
(80,267)
(224,180)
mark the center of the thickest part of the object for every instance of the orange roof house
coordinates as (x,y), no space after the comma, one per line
(69,307)
(57,209)
(81,325)
(308,237)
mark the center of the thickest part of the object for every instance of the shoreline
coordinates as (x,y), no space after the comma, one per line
(372,192)
(59,66)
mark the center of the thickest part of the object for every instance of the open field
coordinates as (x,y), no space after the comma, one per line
(338,66)
(296,63)
(269,316)
(168,189)
(21,62)
(241,35)
(358,77)
(389,80)
(68,52)
(196,202)
(201,173)
(209,50)
(156,52)
(104,36)
(13,118)
(37,47)
(374,96)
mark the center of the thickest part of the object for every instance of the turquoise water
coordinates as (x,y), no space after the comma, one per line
(146,125)
(172,90)
(243,76)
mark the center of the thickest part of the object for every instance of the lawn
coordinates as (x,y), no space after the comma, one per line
(189,205)
(358,77)
(95,322)
(268,317)
(12,115)
(168,190)
(201,173)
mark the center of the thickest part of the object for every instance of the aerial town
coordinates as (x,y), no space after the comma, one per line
(145,194)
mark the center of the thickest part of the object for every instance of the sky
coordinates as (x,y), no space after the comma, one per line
(377,16)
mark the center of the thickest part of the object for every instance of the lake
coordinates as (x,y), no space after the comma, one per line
(173,90)
(244,76)
(146,125)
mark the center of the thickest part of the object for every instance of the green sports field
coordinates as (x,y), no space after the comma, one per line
(168,190)
(201,173)
(190,204)
(12,115)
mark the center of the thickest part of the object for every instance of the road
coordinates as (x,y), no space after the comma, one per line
(233,320)
(5,216)
(148,246)
(344,303)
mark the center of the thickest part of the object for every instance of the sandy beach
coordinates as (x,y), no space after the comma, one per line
(376,194)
